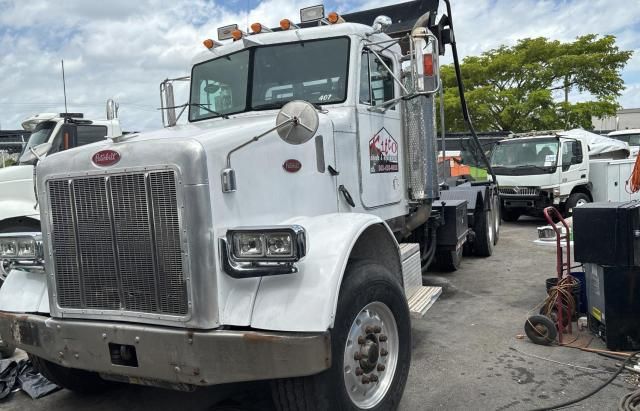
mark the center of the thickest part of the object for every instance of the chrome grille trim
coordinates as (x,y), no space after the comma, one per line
(117,245)
(519,191)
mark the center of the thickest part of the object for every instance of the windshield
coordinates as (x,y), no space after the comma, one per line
(314,70)
(40,134)
(541,153)
(631,139)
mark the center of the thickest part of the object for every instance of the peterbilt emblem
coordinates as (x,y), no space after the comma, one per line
(105,158)
(292,165)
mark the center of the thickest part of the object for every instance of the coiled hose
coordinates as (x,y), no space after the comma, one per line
(630,401)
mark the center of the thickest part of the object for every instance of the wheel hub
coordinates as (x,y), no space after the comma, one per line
(371,355)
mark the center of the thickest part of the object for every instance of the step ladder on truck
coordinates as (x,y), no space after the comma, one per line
(279,234)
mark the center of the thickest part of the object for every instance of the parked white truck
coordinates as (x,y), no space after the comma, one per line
(50,133)
(565,169)
(270,238)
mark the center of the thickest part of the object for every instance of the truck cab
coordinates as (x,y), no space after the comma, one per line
(537,172)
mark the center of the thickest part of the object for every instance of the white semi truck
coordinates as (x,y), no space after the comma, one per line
(565,169)
(279,235)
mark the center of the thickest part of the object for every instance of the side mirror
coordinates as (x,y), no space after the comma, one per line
(33,154)
(424,61)
(297,122)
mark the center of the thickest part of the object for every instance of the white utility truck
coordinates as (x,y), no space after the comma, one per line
(565,169)
(278,235)
(630,136)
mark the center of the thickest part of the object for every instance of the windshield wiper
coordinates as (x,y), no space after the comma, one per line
(532,166)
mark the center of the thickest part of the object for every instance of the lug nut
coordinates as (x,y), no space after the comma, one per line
(357,356)
(365,380)
(382,338)
(377,329)
(381,367)
(359,371)
(373,378)
(368,330)
(384,352)
(361,340)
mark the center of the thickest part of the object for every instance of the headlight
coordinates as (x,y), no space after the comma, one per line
(268,244)
(21,246)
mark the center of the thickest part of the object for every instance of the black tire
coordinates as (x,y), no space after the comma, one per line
(364,283)
(6,350)
(540,330)
(484,227)
(510,216)
(79,381)
(20,225)
(575,200)
(449,260)
(497,217)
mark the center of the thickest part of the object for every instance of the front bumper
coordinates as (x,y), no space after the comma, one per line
(169,357)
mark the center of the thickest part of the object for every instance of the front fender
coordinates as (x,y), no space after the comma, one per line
(307,300)
(25,292)
(17,199)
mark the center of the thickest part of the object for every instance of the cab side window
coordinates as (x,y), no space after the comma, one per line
(90,134)
(571,154)
(376,83)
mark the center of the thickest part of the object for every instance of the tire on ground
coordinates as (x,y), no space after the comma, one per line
(449,260)
(497,217)
(510,215)
(79,381)
(575,200)
(484,227)
(364,282)
(540,329)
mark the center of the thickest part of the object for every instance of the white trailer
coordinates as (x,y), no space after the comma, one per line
(269,238)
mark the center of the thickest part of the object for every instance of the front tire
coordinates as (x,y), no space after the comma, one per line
(510,215)
(576,200)
(79,381)
(371,349)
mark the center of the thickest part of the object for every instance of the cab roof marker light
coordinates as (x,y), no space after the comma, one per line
(237,34)
(257,28)
(286,24)
(311,14)
(224,33)
(334,18)
(210,43)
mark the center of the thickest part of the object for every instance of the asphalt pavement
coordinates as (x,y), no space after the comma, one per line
(467,351)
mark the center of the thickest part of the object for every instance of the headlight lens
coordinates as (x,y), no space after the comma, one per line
(279,244)
(249,245)
(26,248)
(21,246)
(267,244)
(8,248)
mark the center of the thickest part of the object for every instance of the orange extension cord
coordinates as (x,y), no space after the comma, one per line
(633,184)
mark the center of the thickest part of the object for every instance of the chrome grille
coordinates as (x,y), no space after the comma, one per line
(519,191)
(116,243)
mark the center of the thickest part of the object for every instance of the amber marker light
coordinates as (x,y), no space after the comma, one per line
(285,24)
(236,34)
(208,43)
(333,17)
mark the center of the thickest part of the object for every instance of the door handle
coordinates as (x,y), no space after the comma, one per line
(583,176)
(333,171)
(346,195)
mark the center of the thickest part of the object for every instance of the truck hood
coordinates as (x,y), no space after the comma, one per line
(538,180)
(16,173)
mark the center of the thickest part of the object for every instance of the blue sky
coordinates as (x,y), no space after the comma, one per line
(123,48)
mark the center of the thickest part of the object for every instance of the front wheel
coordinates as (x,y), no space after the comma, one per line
(576,200)
(510,215)
(371,349)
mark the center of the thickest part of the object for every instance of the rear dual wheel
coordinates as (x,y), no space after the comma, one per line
(370,346)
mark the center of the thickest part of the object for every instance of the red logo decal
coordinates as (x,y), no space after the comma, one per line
(105,158)
(292,166)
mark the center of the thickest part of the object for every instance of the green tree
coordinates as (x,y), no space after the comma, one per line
(526,86)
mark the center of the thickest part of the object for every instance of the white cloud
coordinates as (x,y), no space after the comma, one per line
(123,48)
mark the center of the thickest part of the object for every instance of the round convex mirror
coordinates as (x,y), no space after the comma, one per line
(301,120)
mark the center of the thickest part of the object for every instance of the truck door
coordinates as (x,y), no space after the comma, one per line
(574,165)
(379,134)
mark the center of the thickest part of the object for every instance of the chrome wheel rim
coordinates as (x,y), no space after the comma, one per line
(371,355)
(490,226)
